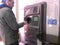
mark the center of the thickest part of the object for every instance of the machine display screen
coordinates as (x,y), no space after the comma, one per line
(35,18)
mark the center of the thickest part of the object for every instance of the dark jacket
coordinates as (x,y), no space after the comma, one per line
(8,25)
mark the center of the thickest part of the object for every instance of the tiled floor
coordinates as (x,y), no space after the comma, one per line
(39,43)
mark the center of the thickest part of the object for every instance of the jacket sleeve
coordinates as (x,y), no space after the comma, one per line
(11,20)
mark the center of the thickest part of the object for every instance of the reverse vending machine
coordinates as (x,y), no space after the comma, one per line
(34,15)
(40,26)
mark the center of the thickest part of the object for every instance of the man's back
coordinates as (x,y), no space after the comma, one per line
(7,31)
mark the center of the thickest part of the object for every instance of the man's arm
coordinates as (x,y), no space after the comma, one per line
(11,20)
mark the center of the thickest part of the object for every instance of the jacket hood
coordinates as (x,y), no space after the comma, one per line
(4,5)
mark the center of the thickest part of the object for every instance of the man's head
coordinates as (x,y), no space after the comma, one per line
(10,3)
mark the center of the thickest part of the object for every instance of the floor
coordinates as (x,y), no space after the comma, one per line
(1,43)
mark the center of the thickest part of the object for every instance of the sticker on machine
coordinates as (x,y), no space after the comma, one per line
(52,21)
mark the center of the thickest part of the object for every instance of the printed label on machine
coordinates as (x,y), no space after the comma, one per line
(52,21)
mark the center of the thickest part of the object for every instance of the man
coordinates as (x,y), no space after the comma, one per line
(8,25)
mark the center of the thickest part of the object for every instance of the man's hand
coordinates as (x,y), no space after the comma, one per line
(25,22)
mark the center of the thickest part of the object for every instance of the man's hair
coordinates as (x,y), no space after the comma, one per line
(3,1)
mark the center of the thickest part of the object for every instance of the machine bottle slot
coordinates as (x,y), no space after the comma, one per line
(27,19)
